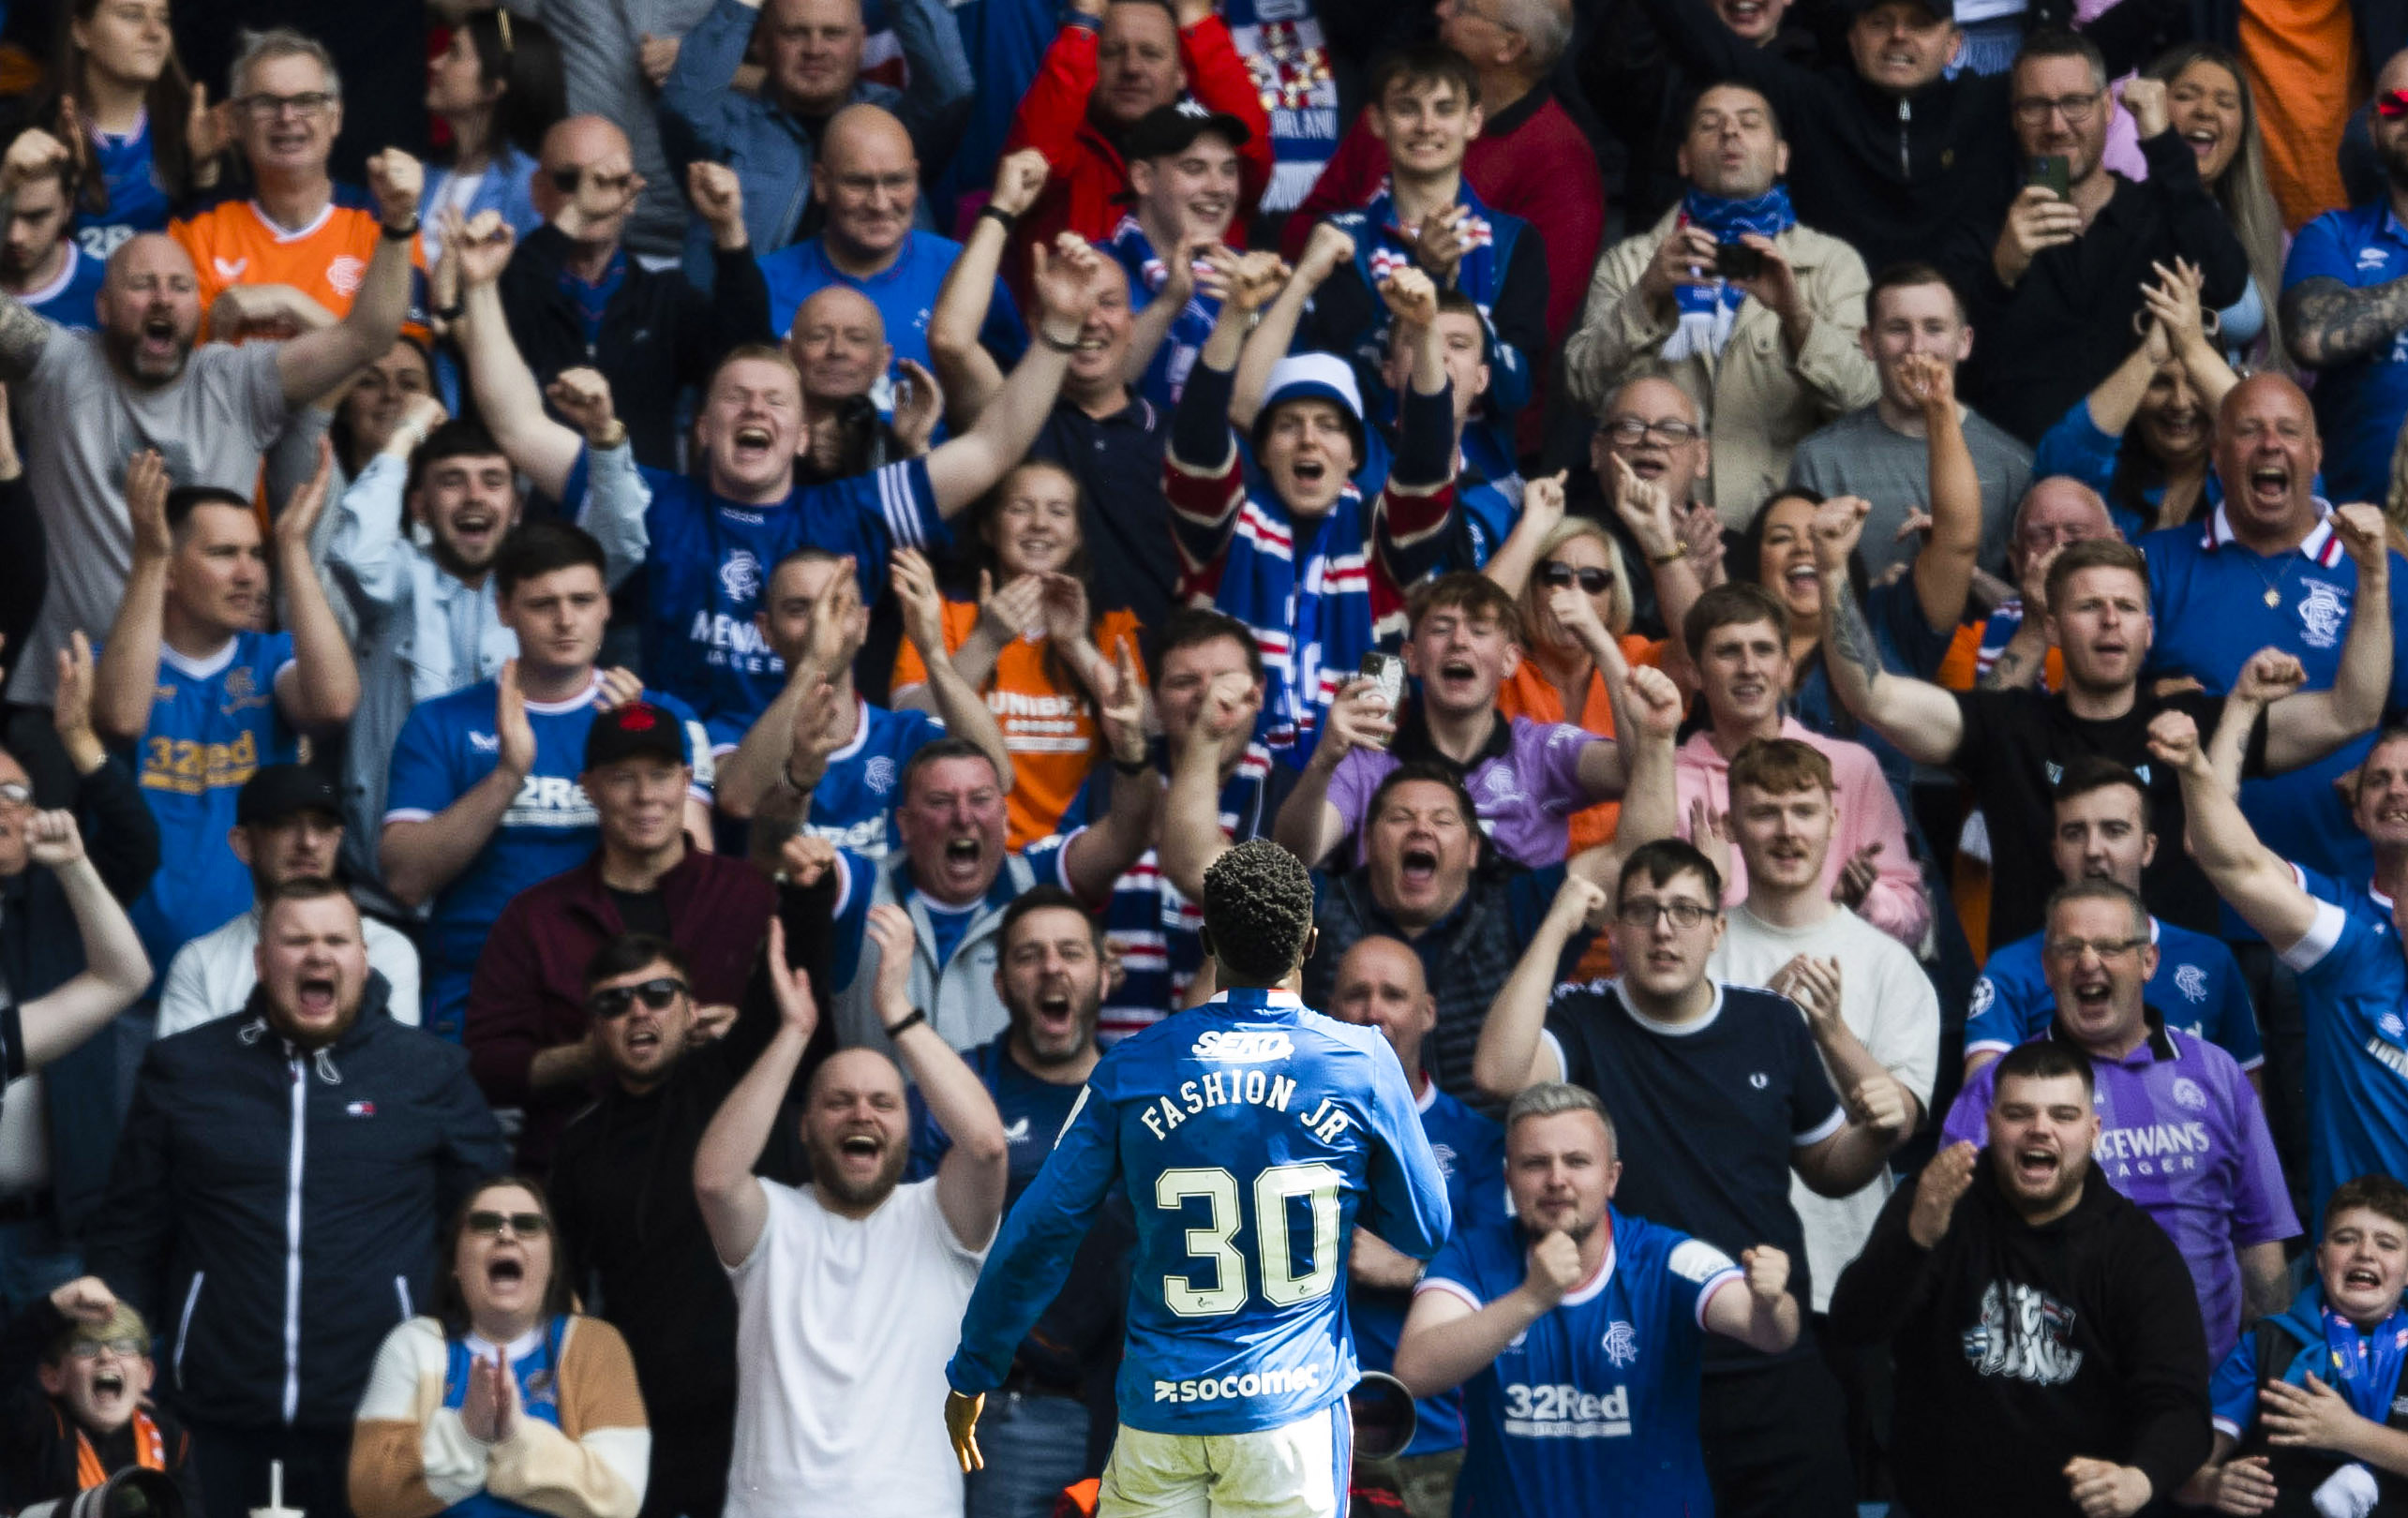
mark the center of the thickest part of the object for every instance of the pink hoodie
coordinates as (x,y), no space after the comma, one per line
(1868,813)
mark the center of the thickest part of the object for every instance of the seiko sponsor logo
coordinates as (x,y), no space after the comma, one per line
(2024,1334)
(1567,1412)
(1243,1047)
(1269,1383)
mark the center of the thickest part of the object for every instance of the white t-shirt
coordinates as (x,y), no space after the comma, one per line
(1888,1001)
(843,1331)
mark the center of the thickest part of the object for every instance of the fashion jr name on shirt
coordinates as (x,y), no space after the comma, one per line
(1256,1087)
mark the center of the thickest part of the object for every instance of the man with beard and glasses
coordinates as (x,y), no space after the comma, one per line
(204,698)
(429,620)
(1055,1406)
(848,1289)
(622,1178)
(2181,1132)
(1576,1329)
(528,1024)
(2048,1343)
(311,1105)
(144,380)
(1380,985)
(288,825)
(40,263)
(2346,305)
(1724,1099)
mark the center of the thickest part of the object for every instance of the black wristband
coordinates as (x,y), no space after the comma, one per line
(897,1031)
(454,311)
(993,212)
(1130,767)
(400,234)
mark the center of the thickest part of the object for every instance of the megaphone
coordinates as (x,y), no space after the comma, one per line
(1383,1414)
(132,1493)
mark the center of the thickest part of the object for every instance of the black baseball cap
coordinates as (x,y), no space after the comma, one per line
(637,730)
(1174,128)
(275,791)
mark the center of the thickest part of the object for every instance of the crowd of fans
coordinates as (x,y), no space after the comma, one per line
(631,625)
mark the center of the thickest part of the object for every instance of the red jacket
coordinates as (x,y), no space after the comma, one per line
(1528,160)
(529,994)
(1083,193)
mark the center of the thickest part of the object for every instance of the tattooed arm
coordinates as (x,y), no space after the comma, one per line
(2326,322)
(2019,663)
(1920,717)
(22,336)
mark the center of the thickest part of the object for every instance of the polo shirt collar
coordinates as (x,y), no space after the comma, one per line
(1413,743)
(2160,1044)
(2320,546)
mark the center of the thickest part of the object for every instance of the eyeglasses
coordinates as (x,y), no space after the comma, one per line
(269,107)
(1643,911)
(566,180)
(522,1225)
(2106,948)
(2391,104)
(14,794)
(122,1348)
(1627,430)
(2076,109)
(611,1004)
(1556,574)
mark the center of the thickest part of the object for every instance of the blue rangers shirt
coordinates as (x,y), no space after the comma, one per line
(446,747)
(2358,897)
(138,202)
(1601,1395)
(2357,403)
(67,298)
(1471,1153)
(709,559)
(1251,1133)
(853,805)
(2197,987)
(2354,985)
(214,722)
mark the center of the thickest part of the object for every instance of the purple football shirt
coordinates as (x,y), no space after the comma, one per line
(1525,789)
(2181,1134)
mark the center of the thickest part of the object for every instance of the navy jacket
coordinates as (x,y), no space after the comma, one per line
(201,1226)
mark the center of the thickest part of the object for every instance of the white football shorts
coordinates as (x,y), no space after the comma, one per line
(1297,1470)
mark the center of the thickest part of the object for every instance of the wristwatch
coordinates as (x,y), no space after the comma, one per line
(1680,551)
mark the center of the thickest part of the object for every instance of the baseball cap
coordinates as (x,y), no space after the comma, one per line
(275,791)
(637,729)
(1174,128)
(1940,10)
(1312,376)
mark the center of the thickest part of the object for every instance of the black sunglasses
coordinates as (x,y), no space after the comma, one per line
(613,1003)
(1557,574)
(525,1224)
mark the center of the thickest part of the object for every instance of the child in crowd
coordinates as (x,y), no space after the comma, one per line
(77,1365)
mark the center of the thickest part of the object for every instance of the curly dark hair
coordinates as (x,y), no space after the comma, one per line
(1258,908)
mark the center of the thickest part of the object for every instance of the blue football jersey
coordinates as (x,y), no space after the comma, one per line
(214,722)
(138,202)
(1251,1133)
(446,747)
(68,299)
(2358,897)
(710,560)
(2197,987)
(1592,1408)
(853,805)
(2353,985)
(1470,1148)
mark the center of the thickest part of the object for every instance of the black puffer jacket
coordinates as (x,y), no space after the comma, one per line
(275,1213)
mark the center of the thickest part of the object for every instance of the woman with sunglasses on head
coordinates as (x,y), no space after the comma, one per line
(141,136)
(497,87)
(505,1401)
(1030,644)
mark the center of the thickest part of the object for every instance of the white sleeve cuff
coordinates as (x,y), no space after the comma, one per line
(2319,940)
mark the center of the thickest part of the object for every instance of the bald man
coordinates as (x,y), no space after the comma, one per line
(866,185)
(1380,984)
(575,299)
(839,345)
(144,380)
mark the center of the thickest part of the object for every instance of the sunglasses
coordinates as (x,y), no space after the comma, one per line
(567,179)
(2391,104)
(613,1003)
(1555,575)
(524,1224)
(122,1348)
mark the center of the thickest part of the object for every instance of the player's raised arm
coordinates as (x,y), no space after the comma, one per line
(734,1207)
